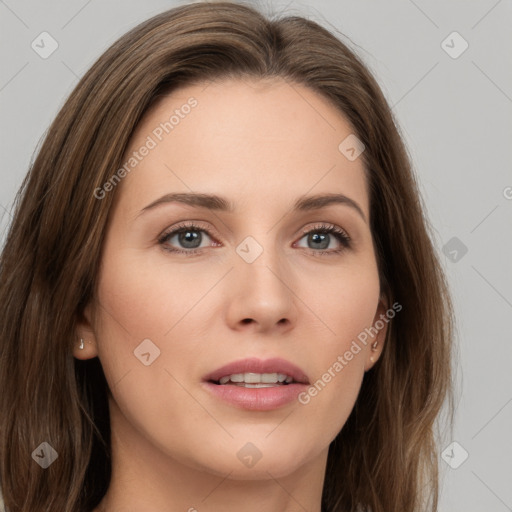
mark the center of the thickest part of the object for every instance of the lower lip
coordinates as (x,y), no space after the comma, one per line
(256,399)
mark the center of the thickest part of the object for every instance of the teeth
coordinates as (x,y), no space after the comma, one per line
(252,378)
(258,385)
(266,379)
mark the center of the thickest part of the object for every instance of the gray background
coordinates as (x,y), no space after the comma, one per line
(455,115)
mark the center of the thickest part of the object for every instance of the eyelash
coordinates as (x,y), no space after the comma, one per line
(338,233)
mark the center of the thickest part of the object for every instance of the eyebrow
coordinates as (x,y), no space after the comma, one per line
(218,203)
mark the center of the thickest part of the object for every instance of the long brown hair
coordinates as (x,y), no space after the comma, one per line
(385,459)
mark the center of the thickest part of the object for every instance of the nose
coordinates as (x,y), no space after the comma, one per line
(260,294)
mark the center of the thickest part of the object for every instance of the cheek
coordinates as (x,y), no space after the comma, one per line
(346,304)
(146,296)
(141,302)
(133,309)
(344,301)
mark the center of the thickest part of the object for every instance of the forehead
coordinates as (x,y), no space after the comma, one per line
(270,140)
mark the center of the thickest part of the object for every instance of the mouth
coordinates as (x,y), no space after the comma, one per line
(255,380)
(257,373)
(255,384)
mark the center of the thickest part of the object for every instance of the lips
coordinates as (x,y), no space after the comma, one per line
(255,365)
(256,397)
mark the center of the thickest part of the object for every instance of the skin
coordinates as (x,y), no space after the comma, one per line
(260,144)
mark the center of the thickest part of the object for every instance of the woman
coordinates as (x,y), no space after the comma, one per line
(219,286)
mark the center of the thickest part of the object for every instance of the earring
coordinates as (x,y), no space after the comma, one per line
(374,348)
(81,344)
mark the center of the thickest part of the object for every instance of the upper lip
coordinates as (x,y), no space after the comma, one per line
(255,365)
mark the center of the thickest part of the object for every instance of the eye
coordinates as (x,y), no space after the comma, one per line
(187,236)
(320,238)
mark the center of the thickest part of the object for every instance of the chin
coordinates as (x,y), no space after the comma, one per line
(260,471)
(260,467)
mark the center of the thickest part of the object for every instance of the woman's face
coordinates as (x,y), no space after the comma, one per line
(246,282)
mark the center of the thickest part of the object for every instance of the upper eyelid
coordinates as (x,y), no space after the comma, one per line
(195,225)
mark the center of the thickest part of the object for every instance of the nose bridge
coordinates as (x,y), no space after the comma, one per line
(261,290)
(260,261)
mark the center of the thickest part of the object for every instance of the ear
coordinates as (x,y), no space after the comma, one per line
(378,332)
(85,334)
